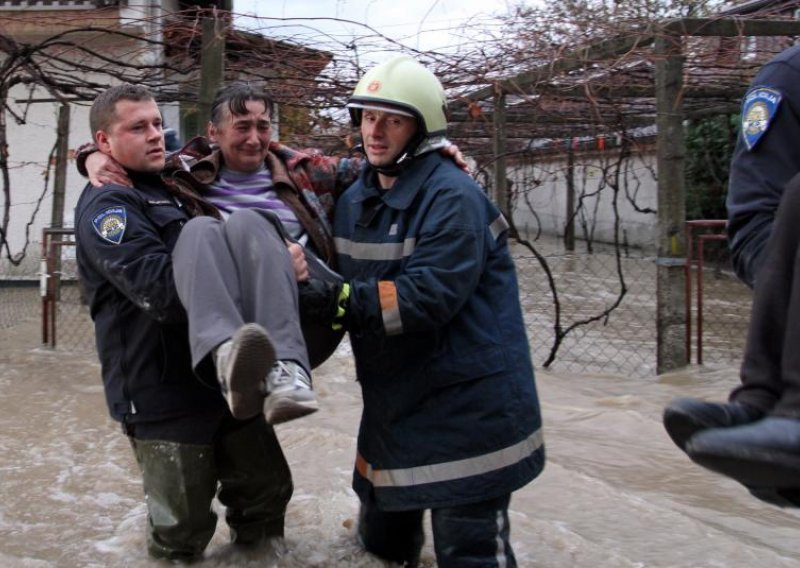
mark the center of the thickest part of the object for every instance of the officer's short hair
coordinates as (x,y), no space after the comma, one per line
(103,112)
(234,97)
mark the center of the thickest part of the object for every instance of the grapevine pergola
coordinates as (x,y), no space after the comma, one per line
(662,75)
(507,99)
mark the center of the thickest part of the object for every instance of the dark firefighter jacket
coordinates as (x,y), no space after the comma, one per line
(451,413)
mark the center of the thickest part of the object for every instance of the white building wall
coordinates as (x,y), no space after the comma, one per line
(541,188)
(31,139)
(29,146)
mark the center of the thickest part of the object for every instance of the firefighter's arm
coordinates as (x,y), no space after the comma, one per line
(438,277)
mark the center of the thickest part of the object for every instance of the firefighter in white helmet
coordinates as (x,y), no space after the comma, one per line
(451,420)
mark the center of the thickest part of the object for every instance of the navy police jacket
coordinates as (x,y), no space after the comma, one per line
(767,153)
(450,412)
(124,242)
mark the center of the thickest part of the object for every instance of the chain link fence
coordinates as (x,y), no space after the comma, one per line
(55,301)
(19,302)
(621,341)
(19,289)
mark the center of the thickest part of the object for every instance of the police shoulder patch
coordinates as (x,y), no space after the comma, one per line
(110,224)
(758,109)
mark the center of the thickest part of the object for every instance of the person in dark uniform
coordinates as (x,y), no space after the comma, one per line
(451,420)
(754,438)
(765,158)
(188,445)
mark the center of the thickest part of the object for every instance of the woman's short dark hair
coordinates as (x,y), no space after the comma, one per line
(235,97)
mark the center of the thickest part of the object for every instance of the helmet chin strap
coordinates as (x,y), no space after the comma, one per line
(395,169)
(404,158)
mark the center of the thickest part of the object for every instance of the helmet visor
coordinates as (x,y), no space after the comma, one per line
(379,106)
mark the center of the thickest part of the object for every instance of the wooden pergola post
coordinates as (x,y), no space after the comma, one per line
(499,140)
(671,259)
(62,159)
(59,190)
(212,67)
(569,227)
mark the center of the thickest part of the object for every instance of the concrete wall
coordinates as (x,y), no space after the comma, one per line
(540,187)
(29,147)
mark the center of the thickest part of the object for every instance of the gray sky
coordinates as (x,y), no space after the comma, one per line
(420,24)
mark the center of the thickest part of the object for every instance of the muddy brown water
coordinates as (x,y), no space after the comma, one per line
(615,491)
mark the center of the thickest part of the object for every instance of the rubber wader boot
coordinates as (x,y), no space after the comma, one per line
(255,482)
(179,484)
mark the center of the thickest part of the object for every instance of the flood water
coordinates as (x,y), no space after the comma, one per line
(615,492)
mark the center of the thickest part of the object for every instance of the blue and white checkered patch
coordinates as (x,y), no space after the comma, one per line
(758,109)
(110,224)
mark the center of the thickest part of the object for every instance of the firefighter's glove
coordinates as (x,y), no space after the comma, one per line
(341,318)
(324,302)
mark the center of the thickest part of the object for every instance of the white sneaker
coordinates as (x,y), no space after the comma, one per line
(289,393)
(242,362)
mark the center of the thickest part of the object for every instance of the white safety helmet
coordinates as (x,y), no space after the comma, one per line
(403,86)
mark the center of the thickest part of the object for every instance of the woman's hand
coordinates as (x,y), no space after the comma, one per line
(451,151)
(299,261)
(105,170)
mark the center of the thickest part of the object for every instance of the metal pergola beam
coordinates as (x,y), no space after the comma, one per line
(606,49)
(730,27)
(571,61)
